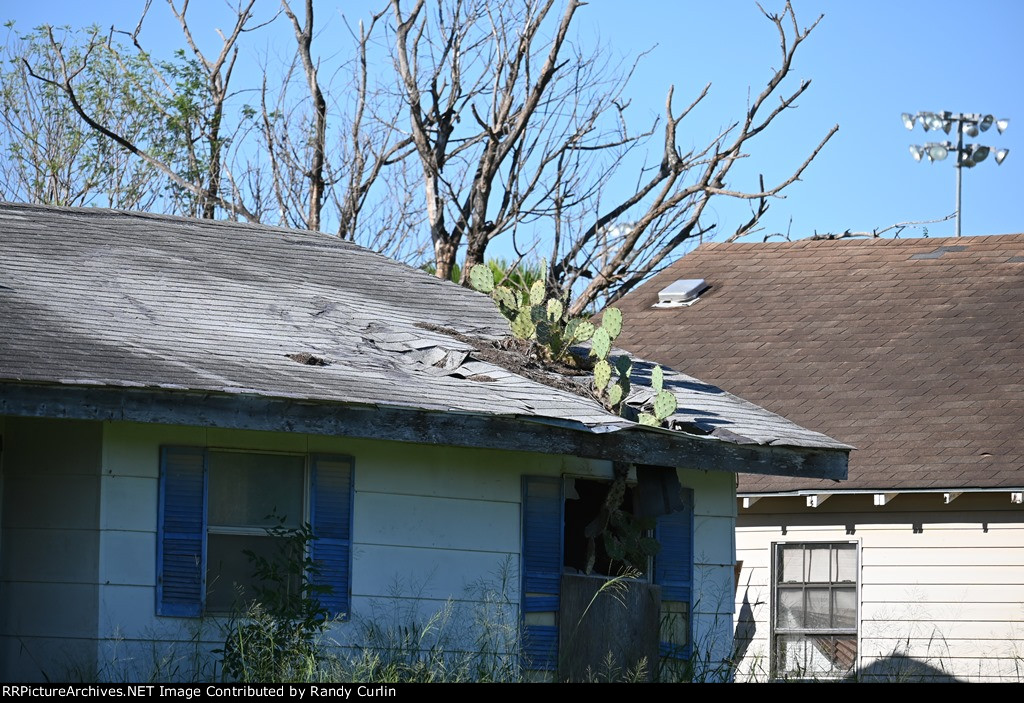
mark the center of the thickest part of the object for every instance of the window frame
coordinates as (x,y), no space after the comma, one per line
(776,632)
(182,528)
(307,490)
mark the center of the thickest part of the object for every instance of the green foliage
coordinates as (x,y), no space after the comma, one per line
(276,637)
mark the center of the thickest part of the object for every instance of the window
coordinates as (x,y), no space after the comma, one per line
(815,613)
(216,504)
(553,544)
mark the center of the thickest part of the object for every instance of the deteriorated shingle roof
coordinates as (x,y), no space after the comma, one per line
(911,350)
(104,298)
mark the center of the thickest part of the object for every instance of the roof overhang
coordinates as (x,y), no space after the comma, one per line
(509,432)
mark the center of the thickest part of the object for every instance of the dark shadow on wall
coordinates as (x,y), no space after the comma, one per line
(746,627)
(900,668)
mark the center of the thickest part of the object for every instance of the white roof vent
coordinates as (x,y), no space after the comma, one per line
(685,291)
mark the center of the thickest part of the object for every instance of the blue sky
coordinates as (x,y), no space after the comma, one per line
(869,61)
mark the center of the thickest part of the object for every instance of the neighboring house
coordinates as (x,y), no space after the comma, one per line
(165,384)
(912,351)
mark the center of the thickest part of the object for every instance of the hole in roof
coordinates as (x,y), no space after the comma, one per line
(308,359)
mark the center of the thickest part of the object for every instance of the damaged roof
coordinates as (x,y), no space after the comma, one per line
(911,350)
(95,298)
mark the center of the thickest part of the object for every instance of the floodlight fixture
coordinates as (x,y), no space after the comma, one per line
(967,155)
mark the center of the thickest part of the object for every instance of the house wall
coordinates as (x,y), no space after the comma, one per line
(436,530)
(941,586)
(51,489)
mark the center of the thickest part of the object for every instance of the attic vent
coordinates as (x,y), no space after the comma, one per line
(685,291)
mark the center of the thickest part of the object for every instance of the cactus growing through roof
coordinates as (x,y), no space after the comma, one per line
(657,379)
(664,406)
(537,293)
(555,309)
(611,322)
(602,375)
(523,327)
(482,278)
(600,343)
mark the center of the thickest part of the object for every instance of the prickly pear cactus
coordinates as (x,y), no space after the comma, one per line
(523,327)
(657,379)
(505,297)
(600,343)
(602,375)
(537,293)
(648,419)
(615,395)
(579,330)
(611,322)
(482,278)
(664,406)
(555,310)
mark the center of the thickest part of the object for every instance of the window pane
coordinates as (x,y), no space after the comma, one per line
(675,624)
(845,567)
(791,569)
(818,563)
(790,655)
(791,608)
(229,571)
(818,617)
(844,608)
(808,656)
(246,489)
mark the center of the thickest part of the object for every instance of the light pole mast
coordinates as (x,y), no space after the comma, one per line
(967,156)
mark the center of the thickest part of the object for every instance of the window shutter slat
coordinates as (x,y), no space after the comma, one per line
(542,567)
(673,566)
(181,538)
(331,518)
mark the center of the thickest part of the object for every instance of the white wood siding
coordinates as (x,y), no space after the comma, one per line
(942,585)
(50,507)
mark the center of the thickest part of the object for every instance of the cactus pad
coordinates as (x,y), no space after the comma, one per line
(600,344)
(611,322)
(614,395)
(555,309)
(482,278)
(506,297)
(664,405)
(646,419)
(602,375)
(537,293)
(522,326)
(657,379)
(624,365)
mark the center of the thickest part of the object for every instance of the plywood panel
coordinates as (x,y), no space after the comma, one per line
(413,521)
(27,659)
(43,447)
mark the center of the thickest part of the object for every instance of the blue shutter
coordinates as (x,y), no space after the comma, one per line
(181,532)
(673,566)
(331,518)
(542,568)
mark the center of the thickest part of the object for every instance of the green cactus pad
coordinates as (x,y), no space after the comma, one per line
(611,322)
(555,309)
(657,379)
(584,332)
(664,405)
(647,419)
(522,326)
(624,365)
(615,395)
(537,293)
(482,278)
(505,296)
(600,344)
(602,375)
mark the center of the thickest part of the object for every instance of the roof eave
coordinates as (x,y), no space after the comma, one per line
(257,412)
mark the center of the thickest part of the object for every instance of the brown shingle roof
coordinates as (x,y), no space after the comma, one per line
(912,350)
